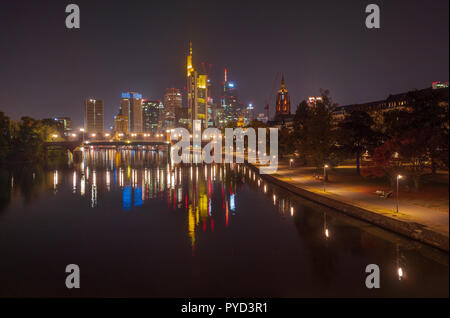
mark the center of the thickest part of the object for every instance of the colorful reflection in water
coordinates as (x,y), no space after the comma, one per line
(196,230)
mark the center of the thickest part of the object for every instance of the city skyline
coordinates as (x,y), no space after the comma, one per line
(204,151)
(316,54)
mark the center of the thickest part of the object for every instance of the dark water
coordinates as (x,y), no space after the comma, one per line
(139,227)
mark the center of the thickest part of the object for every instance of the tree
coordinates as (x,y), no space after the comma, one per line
(315,139)
(5,136)
(356,136)
(417,135)
(384,162)
(27,142)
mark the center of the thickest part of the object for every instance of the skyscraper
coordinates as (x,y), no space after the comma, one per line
(93,116)
(197,92)
(120,123)
(231,108)
(172,103)
(172,99)
(150,115)
(131,107)
(66,124)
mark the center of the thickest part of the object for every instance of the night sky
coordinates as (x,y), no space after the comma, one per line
(47,70)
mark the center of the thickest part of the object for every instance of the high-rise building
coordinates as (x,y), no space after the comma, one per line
(151,115)
(172,99)
(283,105)
(120,123)
(182,117)
(197,92)
(131,107)
(93,116)
(231,108)
(211,106)
(66,124)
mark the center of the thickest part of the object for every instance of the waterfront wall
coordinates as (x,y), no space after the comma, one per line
(411,230)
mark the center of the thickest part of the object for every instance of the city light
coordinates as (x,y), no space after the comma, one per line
(324,176)
(400,273)
(399,177)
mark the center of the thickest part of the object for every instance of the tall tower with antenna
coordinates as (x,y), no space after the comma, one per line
(191,86)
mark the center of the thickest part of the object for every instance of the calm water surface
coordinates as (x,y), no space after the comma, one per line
(139,227)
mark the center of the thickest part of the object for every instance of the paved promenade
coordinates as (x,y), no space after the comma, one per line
(434,219)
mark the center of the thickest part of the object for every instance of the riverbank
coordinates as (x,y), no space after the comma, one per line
(416,222)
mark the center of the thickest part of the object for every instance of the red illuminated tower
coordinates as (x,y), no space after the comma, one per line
(283,106)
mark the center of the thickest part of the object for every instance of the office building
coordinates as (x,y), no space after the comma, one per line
(151,115)
(66,124)
(197,92)
(131,107)
(93,116)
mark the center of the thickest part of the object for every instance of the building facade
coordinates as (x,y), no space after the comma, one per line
(283,103)
(197,94)
(120,124)
(151,115)
(131,107)
(231,108)
(66,124)
(93,116)
(401,101)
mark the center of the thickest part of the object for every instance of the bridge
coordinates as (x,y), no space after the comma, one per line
(72,145)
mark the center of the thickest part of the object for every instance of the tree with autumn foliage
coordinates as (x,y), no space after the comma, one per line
(416,140)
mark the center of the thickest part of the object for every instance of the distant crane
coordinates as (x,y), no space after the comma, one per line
(269,98)
(205,71)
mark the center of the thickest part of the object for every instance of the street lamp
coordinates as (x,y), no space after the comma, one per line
(291,161)
(398,178)
(324,174)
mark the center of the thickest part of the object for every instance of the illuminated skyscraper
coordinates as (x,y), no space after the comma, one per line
(231,108)
(172,103)
(120,123)
(93,116)
(151,115)
(131,107)
(197,92)
(172,99)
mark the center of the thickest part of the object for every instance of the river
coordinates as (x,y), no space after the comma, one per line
(138,227)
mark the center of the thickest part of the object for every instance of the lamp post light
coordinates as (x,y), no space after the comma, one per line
(324,175)
(398,178)
(82,131)
(291,162)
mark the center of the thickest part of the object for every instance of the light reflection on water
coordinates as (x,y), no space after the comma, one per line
(246,236)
